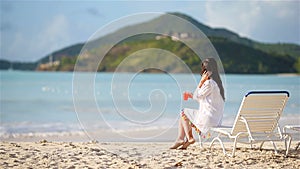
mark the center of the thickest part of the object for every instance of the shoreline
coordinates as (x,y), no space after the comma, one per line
(288,74)
(153,134)
(103,136)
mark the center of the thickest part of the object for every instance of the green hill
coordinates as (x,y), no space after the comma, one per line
(243,60)
(238,54)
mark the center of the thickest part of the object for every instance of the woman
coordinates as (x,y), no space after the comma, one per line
(210,95)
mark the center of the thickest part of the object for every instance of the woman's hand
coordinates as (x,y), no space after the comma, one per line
(187,95)
(205,76)
(190,95)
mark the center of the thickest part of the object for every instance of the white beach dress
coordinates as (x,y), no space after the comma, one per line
(211,107)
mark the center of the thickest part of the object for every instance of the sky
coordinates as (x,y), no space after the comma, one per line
(32,29)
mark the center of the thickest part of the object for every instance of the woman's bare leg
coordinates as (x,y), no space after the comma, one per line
(181,133)
(180,139)
(188,132)
(187,129)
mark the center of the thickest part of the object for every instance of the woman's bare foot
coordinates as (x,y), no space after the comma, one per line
(177,144)
(187,143)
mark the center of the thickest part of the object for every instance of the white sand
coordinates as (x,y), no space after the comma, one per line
(45,154)
(26,151)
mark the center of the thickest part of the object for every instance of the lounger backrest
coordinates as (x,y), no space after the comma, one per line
(262,109)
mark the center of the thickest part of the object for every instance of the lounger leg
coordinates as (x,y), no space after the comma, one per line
(275,149)
(297,146)
(261,145)
(235,143)
(200,142)
(221,143)
(288,144)
(285,143)
(234,147)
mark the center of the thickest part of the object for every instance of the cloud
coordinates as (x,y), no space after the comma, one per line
(16,48)
(6,26)
(94,12)
(6,9)
(55,31)
(53,36)
(230,15)
(260,20)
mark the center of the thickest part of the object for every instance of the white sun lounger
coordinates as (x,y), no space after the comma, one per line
(256,121)
(295,128)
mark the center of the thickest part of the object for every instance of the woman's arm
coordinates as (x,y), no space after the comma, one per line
(205,76)
(204,87)
(202,92)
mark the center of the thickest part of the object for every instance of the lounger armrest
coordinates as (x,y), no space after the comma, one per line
(222,129)
(244,120)
(292,127)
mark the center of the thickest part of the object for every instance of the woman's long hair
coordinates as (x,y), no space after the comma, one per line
(210,64)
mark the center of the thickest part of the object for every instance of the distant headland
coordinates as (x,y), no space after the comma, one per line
(238,54)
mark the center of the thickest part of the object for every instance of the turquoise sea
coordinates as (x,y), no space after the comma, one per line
(43,102)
